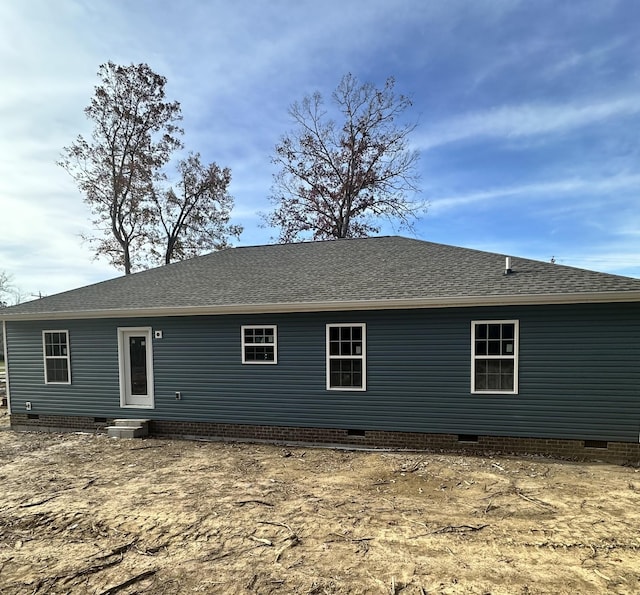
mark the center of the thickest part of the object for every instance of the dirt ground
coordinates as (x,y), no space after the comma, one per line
(86,513)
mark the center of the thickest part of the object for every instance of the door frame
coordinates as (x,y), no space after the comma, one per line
(123,356)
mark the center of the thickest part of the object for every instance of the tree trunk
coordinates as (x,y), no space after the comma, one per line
(127,260)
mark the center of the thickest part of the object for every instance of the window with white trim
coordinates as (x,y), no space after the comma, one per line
(259,344)
(57,364)
(346,356)
(494,360)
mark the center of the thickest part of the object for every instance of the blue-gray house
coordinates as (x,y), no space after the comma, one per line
(381,342)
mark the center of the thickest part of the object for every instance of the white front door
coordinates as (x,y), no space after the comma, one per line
(136,367)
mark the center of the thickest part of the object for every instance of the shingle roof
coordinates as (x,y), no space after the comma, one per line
(342,274)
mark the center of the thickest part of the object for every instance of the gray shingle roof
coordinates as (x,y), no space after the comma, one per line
(372,272)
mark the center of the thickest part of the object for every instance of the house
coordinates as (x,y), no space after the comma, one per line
(382,341)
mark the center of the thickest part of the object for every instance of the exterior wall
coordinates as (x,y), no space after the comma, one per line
(579,374)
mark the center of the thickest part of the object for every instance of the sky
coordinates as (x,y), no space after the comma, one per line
(528,114)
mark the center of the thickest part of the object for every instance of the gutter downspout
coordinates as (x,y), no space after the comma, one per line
(6,363)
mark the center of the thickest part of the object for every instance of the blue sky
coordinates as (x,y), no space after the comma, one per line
(528,113)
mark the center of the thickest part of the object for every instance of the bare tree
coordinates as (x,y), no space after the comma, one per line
(9,295)
(135,132)
(337,180)
(195,215)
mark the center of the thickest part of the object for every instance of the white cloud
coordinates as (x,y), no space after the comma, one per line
(616,262)
(608,256)
(584,186)
(54,258)
(592,58)
(527,120)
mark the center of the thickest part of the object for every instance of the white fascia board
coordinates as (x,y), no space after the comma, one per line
(336,306)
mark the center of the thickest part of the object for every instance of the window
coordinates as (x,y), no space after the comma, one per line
(346,357)
(57,369)
(494,345)
(259,345)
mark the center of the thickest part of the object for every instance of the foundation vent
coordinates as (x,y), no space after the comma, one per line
(596,444)
(356,433)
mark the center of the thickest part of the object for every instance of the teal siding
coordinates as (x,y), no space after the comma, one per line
(579,372)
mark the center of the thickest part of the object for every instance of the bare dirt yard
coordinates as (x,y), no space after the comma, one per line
(89,514)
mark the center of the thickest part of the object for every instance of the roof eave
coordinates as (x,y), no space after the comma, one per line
(334,306)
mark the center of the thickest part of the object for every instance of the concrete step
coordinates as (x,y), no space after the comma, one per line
(129,428)
(125,432)
(130,422)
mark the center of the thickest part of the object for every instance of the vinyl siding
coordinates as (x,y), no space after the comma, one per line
(579,373)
